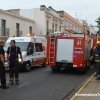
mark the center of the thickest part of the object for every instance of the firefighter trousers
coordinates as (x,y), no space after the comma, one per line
(14,70)
(2,75)
(98,69)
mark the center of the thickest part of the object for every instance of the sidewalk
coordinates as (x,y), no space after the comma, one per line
(92,88)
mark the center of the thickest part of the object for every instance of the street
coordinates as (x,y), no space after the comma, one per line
(43,84)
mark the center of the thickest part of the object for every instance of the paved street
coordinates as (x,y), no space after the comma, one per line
(43,84)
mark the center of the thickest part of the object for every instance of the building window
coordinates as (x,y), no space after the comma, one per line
(17,29)
(71,26)
(53,27)
(38,47)
(56,27)
(3,27)
(66,24)
(74,28)
(60,28)
(47,26)
(30,30)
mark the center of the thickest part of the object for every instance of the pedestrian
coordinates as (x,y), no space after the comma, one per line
(96,57)
(12,57)
(2,67)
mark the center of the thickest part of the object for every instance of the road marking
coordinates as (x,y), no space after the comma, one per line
(47,69)
(82,87)
(23,84)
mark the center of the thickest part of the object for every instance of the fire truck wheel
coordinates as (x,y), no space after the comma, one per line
(27,67)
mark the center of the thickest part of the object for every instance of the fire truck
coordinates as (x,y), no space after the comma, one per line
(68,51)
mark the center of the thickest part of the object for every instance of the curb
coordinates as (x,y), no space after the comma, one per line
(82,87)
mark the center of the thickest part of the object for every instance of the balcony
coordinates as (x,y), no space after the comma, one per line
(4,31)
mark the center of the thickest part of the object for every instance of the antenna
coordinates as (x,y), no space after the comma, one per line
(76,15)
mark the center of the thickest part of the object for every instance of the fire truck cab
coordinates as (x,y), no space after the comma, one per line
(68,50)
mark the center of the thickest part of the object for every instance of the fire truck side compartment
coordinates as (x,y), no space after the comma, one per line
(65,50)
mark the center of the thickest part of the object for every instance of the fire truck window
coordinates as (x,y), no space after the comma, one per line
(38,47)
(30,50)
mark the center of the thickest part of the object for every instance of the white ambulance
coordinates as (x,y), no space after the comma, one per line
(33,51)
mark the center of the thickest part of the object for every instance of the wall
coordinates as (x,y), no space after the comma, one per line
(11,21)
(74,22)
(40,20)
(28,13)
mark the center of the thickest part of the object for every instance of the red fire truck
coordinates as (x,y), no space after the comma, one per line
(64,50)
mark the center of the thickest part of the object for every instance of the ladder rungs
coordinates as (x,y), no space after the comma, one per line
(52,48)
(51,62)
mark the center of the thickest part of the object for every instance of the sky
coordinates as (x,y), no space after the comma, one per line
(81,9)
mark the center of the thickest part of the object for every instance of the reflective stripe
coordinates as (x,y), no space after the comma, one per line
(98,75)
(91,56)
(97,60)
(11,79)
(16,79)
(96,55)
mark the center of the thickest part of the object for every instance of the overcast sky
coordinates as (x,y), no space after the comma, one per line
(89,9)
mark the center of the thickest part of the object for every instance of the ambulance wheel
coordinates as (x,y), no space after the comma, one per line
(44,63)
(27,67)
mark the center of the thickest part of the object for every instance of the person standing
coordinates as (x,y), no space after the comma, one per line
(2,67)
(12,56)
(96,57)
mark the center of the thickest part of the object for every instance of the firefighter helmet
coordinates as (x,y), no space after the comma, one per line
(98,42)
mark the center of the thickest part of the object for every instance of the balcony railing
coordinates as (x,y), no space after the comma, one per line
(4,31)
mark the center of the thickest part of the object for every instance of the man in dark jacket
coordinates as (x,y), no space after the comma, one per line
(96,57)
(2,67)
(12,55)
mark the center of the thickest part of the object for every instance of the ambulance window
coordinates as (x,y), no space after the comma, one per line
(30,48)
(38,47)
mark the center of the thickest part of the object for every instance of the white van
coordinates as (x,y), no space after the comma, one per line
(33,51)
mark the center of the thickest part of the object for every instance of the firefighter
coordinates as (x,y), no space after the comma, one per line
(96,57)
(95,46)
(12,55)
(2,67)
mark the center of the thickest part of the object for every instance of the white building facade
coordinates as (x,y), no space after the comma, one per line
(47,20)
(11,23)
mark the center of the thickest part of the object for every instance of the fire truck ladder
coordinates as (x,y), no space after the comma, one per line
(52,49)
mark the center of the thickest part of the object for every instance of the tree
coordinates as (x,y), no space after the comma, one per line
(98,24)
